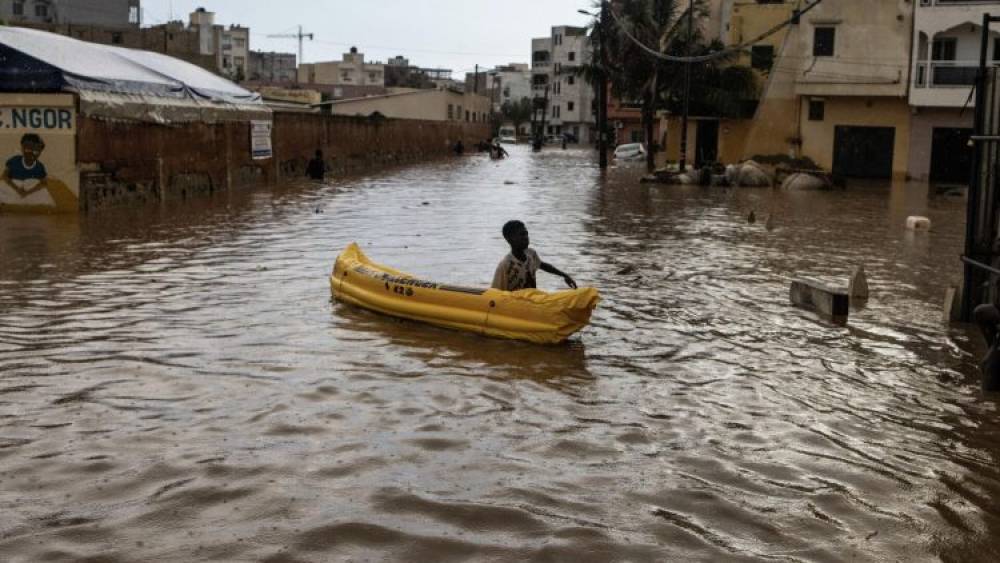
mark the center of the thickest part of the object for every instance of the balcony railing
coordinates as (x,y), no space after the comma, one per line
(953,2)
(946,74)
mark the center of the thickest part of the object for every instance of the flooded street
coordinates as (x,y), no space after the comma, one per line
(177,385)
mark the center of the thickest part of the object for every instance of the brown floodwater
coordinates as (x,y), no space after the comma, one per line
(177,385)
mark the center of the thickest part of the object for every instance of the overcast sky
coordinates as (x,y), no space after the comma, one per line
(455,34)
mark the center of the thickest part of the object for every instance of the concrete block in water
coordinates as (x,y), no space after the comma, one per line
(918,223)
(952,304)
(819,297)
(858,286)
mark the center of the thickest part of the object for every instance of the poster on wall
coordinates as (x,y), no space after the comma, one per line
(260,139)
(38,153)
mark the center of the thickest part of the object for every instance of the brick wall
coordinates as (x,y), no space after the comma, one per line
(141,163)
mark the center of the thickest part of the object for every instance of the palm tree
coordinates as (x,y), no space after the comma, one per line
(718,88)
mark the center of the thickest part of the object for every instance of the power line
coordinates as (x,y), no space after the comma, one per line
(717,54)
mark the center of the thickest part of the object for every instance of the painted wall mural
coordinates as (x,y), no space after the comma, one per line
(38,153)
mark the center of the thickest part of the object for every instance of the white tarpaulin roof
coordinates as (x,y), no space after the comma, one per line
(119,83)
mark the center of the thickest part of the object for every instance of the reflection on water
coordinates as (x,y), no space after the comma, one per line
(176,384)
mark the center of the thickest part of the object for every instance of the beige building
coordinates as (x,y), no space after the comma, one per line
(431,105)
(351,71)
(838,90)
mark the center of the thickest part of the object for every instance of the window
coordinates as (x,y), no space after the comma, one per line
(569,106)
(823,39)
(572,56)
(133,15)
(762,57)
(41,10)
(570,80)
(555,111)
(467,116)
(345,76)
(451,111)
(996,48)
(636,136)
(458,113)
(817,110)
(116,38)
(225,62)
(371,76)
(943,49)
(18,8)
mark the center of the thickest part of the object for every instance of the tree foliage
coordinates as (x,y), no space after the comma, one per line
(719,88)
(517,112)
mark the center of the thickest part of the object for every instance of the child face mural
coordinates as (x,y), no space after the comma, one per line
(31,148)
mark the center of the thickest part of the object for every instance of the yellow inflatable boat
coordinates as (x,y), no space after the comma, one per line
(529,314)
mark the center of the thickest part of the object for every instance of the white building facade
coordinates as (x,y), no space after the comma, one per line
(510,83)
(947,38)
(569,111)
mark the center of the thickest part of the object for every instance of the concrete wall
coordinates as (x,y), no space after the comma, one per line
(922,126)
(136,164)
(818,136)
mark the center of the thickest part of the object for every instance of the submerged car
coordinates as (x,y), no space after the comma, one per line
(630,151)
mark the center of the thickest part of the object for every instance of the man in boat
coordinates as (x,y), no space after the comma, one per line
(316,168)
(517,269)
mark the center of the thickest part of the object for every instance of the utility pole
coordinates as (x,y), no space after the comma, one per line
(300,36)
(602,91)
(545,110)
(687,90)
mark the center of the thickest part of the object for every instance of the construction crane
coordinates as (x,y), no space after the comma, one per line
(300,36)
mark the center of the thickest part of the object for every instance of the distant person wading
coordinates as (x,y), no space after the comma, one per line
(316,169)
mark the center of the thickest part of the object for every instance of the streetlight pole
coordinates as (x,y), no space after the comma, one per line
(602,91)
(687,90)
(601,97)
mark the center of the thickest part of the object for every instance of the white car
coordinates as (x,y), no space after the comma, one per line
(508,139)
(630,151)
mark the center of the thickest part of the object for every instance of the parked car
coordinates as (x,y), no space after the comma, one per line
(508,135)
(630,151)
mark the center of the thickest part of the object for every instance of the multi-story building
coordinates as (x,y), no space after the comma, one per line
(841,73)
(554,61)
(230,46)
(947,37)
(105,13)
(351,71)
(505,83)
(509,83)
(234,51)
(272,67)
